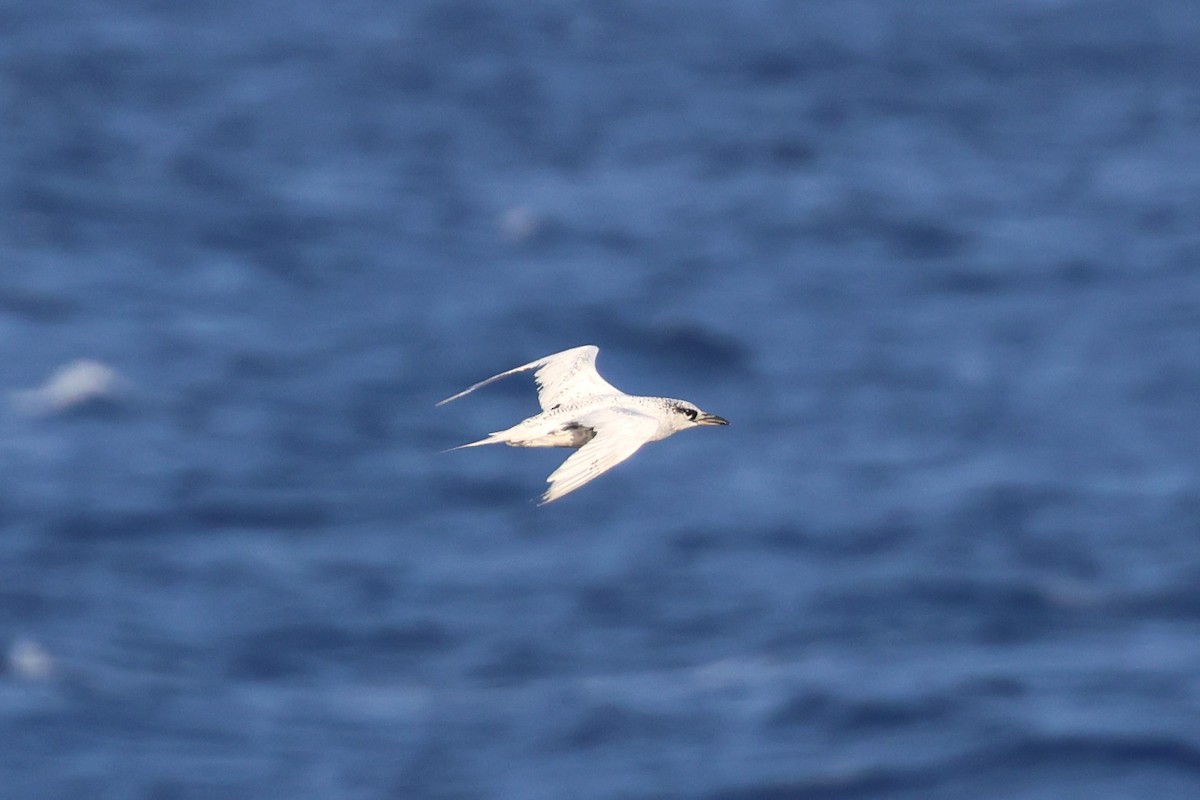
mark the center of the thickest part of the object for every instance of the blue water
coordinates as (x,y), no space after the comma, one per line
(939,263)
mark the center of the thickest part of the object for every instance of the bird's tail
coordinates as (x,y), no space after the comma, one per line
(494,438)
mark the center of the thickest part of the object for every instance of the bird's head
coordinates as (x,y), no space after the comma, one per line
(687,415)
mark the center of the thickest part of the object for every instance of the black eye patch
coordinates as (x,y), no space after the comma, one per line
(691,413)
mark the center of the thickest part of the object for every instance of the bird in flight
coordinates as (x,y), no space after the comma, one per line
(582,410)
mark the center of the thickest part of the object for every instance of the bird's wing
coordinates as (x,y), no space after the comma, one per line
(619,434)
(560,377)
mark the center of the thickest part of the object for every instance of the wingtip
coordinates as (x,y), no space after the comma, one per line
(549,496)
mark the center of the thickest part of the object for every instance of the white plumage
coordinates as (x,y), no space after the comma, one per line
(581,409)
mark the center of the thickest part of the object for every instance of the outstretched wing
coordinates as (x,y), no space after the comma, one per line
(619,434)
(561,377)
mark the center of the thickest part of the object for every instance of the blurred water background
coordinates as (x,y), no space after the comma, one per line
(938,262)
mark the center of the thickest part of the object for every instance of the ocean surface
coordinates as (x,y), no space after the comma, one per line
(938,262)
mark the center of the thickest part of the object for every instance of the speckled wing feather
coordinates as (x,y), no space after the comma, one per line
(561,377)
(619,434)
